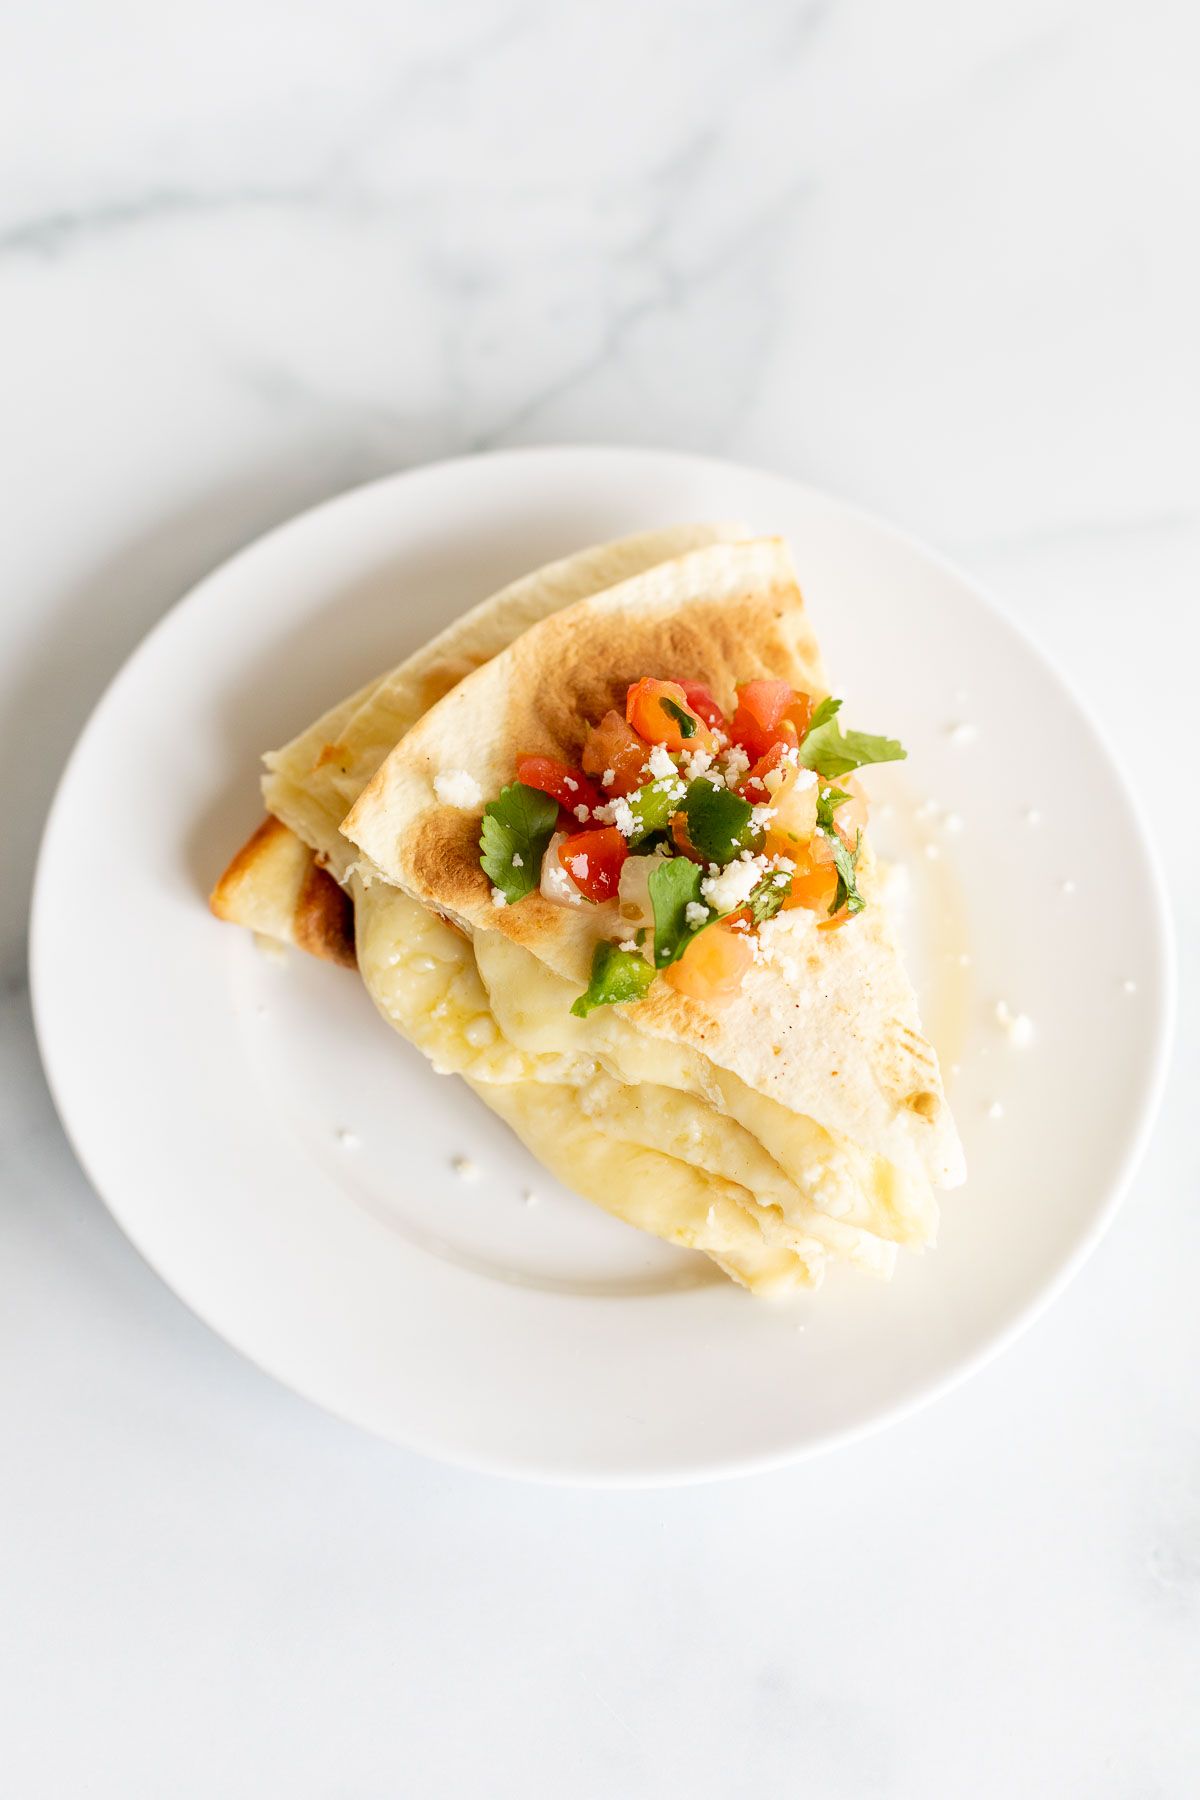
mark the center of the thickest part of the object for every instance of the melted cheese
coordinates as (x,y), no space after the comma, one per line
(647,1129)
(830,1174)
(654,1192)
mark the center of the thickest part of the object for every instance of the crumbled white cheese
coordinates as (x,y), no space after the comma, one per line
(737,764)
(608,777)
(761,816)
(732,886)
(659,765)
(620,814)
(583,814)
(576,863)
(518,860)
(696,913)
(696,763)
(556,884)
(786,927)
(457,787)
(570,783)
(1017,1027)
(465,1169)
(529,1197)
(499,899)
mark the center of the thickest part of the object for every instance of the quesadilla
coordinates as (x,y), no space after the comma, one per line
(794,1120)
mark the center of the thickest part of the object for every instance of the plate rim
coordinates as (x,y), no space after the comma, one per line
(690,1470)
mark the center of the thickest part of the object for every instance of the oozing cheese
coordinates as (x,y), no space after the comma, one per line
(489,1010)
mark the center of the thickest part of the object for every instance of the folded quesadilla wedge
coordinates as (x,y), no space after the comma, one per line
(694,1155)
(825,1024)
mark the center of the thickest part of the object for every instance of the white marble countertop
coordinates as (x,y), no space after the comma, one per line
(939,258)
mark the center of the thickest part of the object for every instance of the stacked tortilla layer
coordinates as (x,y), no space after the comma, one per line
(802,1122)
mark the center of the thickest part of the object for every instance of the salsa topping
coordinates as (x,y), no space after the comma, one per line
(694,828)
(516,830)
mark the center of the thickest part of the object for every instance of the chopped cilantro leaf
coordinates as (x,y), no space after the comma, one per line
(770,894)
(828,709)
(618,975)
(516,830)
(674,886)
(718,821)
(828,801)
(831,751)
(652,807)
(846,863)
(683,718)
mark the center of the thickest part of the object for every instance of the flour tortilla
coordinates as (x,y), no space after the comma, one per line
(276,887)
(312,782)
(667,1159)
(276,884)
(827,1024)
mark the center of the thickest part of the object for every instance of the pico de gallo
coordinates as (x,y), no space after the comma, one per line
(693,827)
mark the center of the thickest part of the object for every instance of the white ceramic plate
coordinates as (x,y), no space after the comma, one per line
(285,1161)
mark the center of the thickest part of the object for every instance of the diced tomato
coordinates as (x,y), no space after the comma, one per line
(765,701)
(648,708)
(594,860)
(713,965)
(754,787)
(760,707)
(799,713)
(769,713)
(700,699)
(570,787)
(841,917)
(814,883)
(613,745)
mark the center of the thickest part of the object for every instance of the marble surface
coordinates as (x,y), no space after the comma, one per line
(939,258)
